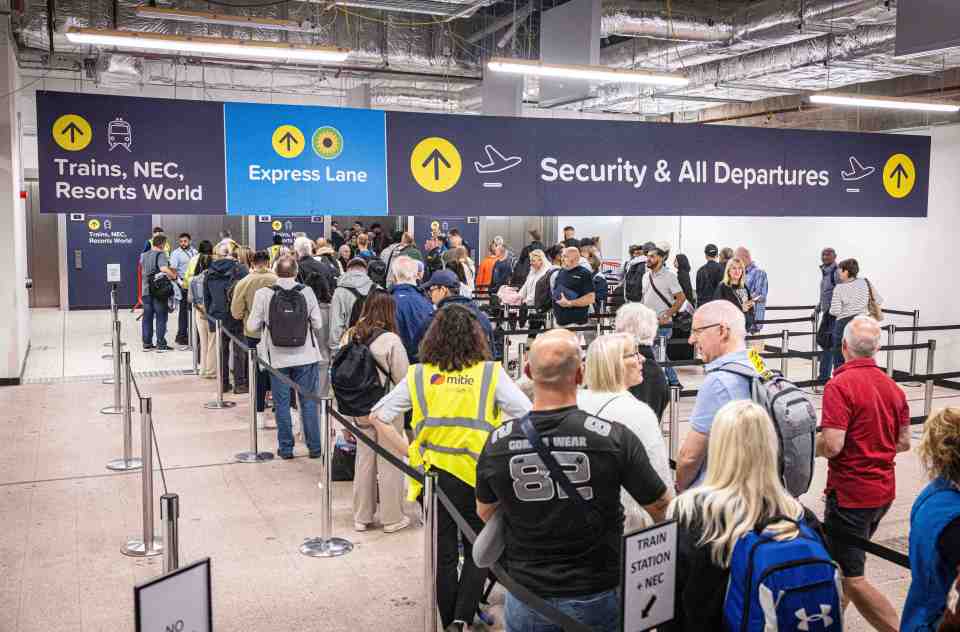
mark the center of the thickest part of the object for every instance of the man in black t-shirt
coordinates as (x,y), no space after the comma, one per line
(572,290)
(709,276)
(553,547)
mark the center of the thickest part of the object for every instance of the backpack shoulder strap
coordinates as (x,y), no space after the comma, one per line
(737,369)
(607,403)
(356,293)
(298,287)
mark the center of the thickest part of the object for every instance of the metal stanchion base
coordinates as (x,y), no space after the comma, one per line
(112,410)
(109,380)
(107,356)
(215,405)
(124,465)
(318,547)
(135,548)
(110,344)
(253,457)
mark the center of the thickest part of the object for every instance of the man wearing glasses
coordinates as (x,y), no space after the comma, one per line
(719,332)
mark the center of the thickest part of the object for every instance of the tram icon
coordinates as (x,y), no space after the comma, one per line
(119,134)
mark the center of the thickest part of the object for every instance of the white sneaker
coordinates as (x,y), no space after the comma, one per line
(397,526)
(360,527)
(295,426)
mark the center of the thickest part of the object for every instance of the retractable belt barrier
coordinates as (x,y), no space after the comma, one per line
(520,592)
(791,308)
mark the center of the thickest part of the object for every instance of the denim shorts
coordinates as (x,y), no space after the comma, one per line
(599,611)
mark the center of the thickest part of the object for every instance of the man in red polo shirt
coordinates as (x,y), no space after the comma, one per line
(866,421)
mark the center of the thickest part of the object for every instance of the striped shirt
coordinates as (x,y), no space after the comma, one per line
(850,298)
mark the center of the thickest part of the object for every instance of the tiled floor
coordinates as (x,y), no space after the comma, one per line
(65,517)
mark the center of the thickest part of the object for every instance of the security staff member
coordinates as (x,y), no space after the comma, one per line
(275,248)
(458,397)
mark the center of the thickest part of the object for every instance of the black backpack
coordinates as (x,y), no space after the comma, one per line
(159,284)
(358,304)
(377,271)
(633,282)
(288,318)
(434,262)
(323,281)
(355,378)
(542,295)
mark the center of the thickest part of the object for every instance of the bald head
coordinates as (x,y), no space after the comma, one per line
(555,359)
(719,328)
(571,257)
(861,338)
(744,255)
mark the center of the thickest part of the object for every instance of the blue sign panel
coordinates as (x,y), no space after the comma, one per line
(297,160)
(512,166)
(435,227)
(93,242)
(130,155)
(286,227)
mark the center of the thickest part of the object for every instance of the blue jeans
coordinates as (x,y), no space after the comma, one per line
(826,358)
(154,309)
(600,612)
(667,332)
(838,328)
(306,377)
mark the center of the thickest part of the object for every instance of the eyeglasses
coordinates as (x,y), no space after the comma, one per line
(696,330)
(632,355)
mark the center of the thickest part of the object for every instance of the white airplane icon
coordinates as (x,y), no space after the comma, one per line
(857,171)
(496,162)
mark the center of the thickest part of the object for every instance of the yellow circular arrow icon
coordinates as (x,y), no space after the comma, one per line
(435,164)
(276,225)
(899,175)
(72,132)
(93,224)
(288,141)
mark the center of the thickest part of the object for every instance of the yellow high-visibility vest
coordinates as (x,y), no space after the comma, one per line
(274,251)
(453,413)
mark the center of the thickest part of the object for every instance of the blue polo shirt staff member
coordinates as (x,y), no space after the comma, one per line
(458,397)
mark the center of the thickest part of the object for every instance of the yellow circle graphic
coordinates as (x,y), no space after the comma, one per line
(93,224)
(327,142)
(276,225)
(435,164)
(72,132)
(288,141)
(899,175)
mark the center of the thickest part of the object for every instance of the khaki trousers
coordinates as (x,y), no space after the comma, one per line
(373,474)
(208,345)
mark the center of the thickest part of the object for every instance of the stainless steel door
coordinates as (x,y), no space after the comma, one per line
(43,256)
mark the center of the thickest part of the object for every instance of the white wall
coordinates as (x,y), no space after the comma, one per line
(911,261)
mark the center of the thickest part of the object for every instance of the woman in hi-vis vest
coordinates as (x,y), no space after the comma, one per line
(458,397)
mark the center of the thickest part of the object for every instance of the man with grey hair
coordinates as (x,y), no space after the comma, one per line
(319,276)
(639,321)
(718,332)
(414,310)
(222,274)
(556,546)
(865,423)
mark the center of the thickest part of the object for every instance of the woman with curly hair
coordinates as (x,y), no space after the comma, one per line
(458,397)
(935,529)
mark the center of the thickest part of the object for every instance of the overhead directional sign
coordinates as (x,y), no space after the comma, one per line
(649,577)
(132,155)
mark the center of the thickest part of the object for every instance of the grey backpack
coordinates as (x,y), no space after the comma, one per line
(794,418)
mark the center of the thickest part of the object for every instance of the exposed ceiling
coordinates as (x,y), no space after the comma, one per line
(429,54)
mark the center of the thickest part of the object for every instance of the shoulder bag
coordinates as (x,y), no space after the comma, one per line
(873,308)
(682,319)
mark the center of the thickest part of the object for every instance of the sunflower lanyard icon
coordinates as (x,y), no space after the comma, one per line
(327,142)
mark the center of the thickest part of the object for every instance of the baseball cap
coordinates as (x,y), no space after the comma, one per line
(711,250)
(443,278)
(663,247)
(357,261)
(635,248)
(648,246)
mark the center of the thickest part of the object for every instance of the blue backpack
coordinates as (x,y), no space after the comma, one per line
(785,586)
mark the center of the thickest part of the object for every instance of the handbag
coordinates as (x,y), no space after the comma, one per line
(873,308)
(682,320)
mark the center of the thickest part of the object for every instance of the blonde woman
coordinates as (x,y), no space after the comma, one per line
(742,490)
(935,528)
(613,362)
(245,256)
(733,288)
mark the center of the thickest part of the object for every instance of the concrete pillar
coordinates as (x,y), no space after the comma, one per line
(15,325)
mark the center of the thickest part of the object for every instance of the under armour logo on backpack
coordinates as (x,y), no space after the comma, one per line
(824,617)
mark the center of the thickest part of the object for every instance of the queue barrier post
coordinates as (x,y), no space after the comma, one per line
(914,339)
(219,403)
(891,341)
(674,421)
(784,349)
(521,358)
(661,349)
(117,380)
(599,327)
(194,342)
(430,552)
(254,455)
(170,514)
(928,386)
(326,545)
(149,545)
(815,358)
(127,462)
(506,352)
(113,312)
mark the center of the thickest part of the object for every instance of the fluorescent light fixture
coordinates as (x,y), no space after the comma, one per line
(206,17)
(208,45)
(596,73)
(887,103)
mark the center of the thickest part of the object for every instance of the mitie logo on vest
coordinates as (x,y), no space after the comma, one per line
(438,379)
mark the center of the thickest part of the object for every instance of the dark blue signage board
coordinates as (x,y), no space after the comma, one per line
(286,227)
(95,241)
(434,226)
(133,155)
